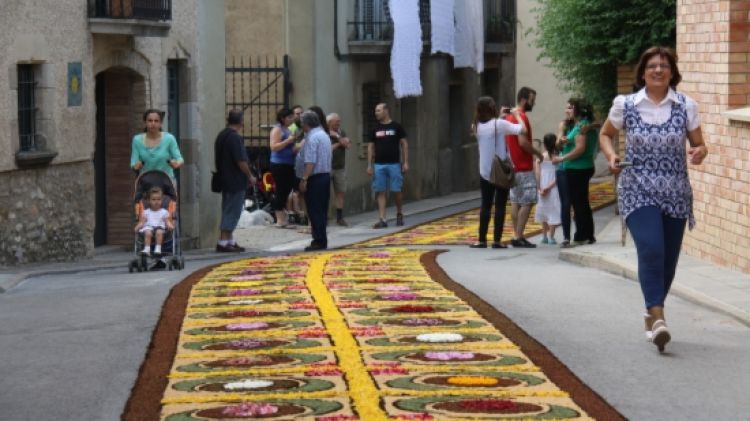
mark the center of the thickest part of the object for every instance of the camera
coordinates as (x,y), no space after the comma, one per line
(624,164)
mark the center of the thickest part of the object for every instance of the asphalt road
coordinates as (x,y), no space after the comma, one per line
(72,344)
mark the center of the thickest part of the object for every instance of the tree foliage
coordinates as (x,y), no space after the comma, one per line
(585,40)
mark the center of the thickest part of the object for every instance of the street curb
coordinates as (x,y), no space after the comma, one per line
(13,281)
(628,271)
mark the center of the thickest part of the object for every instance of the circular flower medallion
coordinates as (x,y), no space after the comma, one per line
(440,337)
(248,384)
(250,410)
(244,302)
(472,381)
(449,355)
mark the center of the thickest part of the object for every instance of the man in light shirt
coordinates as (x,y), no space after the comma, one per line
(315,182)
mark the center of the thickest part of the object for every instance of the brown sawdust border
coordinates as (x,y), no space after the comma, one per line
(554,369)
(144,403)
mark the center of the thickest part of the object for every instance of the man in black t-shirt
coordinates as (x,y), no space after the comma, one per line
(387,161)
(231,163)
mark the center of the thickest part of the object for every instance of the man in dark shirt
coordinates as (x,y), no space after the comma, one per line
(387,161)
(231,163)
(339,144)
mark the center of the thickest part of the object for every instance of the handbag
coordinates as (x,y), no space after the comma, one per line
(502,173)
(216,175)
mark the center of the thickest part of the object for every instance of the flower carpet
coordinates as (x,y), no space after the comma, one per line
(358,334)
(462,228)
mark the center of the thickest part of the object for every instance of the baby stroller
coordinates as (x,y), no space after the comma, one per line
(260,195)
(171,252)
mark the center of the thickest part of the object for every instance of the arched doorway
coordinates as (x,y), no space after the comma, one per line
(120,102)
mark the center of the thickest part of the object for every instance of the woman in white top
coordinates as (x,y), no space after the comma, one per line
(655,197)
(490,132)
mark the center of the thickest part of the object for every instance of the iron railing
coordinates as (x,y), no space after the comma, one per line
(373,21)
(259,87)
(156,10)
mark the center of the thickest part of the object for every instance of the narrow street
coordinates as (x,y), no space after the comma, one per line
(73,343)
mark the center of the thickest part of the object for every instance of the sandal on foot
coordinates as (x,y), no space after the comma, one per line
(479,245)
(660,334)
(648,323)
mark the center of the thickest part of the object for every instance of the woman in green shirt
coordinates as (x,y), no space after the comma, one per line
(577,159)
(154,149)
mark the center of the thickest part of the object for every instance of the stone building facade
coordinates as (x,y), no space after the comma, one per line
(713,44)
(77,76)
(339,59)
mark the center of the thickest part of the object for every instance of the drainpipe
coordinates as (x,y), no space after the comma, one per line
(336,50)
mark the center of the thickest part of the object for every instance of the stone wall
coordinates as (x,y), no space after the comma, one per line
(47,214)
(714,51)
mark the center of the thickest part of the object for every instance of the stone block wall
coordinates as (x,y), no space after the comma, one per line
(713,44)
(46,215)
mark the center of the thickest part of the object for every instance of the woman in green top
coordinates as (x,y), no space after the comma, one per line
(154,149)
(577,157)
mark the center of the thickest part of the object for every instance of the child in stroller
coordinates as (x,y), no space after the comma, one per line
(155,195)
(153,222)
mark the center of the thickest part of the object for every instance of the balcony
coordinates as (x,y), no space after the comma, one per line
(371,31)
(145,18)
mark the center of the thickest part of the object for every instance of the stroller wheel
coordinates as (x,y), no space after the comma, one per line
(131,267)
(180,263)
(144,264)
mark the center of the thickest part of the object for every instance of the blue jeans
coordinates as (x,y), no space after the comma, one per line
(387,177)
(317,196)
(658,240)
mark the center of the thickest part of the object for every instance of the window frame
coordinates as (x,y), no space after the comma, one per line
(27,107)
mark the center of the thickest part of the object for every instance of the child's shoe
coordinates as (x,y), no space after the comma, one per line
(545,240)
(157,250)
(552,242)
(146,251)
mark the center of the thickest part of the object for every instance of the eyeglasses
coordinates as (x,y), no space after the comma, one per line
(662,66)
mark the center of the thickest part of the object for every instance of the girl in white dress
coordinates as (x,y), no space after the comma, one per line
(548,203)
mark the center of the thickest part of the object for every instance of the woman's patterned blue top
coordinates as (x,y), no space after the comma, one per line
(659,175)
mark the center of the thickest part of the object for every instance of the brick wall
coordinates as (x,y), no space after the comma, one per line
(713,44)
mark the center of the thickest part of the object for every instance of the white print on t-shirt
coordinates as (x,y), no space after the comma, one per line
(384,133)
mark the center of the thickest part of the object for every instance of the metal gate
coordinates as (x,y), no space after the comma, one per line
(259,87)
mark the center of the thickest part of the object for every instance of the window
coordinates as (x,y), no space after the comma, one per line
(27,107)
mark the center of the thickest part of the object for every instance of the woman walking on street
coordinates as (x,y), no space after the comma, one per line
(154,149)
(656,199)
(490,132)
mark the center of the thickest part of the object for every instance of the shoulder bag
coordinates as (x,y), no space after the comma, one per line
(502,173)
(216,175)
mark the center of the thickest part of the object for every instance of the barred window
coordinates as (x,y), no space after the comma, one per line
(27,107)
